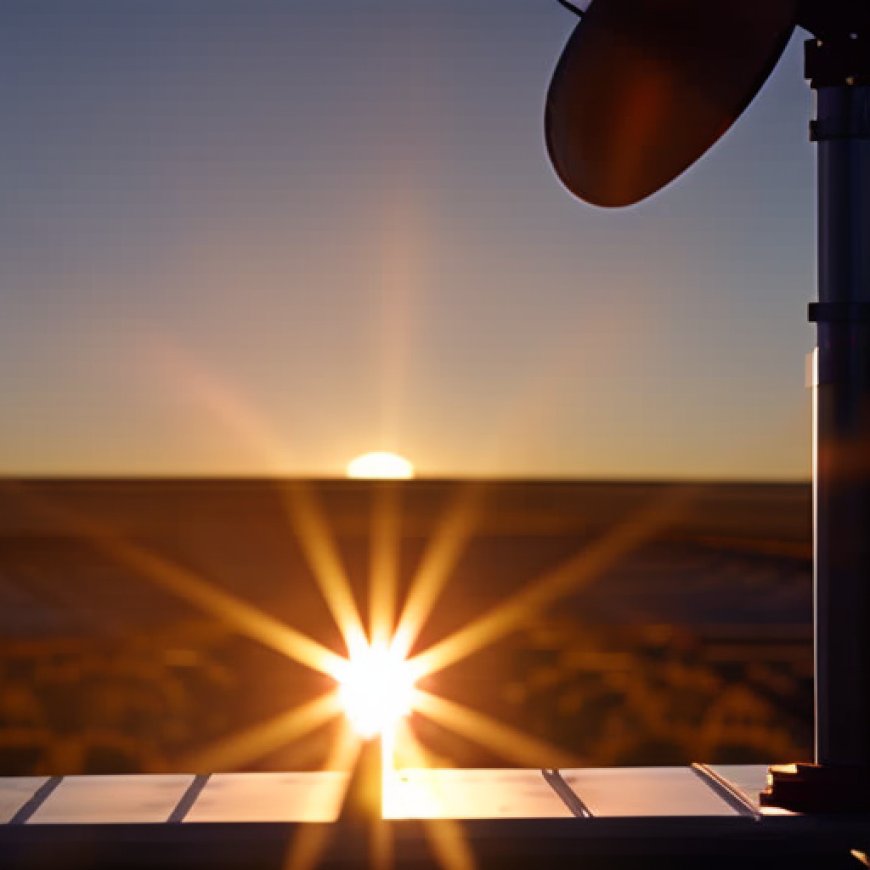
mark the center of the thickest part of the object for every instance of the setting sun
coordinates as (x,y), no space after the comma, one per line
(376,689)
(380,465)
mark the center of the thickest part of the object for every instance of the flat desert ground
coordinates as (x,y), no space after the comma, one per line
(647,623)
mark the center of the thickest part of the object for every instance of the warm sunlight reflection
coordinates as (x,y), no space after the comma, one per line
(376,690)
(380,465)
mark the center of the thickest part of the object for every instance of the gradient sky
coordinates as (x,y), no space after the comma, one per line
(267,235)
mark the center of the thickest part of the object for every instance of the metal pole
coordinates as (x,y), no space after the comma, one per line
(838,68)
(841,427)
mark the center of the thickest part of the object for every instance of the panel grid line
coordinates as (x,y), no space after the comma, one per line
(726,791)
(568,796)
(188,799)
(29,807)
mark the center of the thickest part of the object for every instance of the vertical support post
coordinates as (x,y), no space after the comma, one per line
(839,72)
(841,442)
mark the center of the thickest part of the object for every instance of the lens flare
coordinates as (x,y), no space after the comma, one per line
(376,689)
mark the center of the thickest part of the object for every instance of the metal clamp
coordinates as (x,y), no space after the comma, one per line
(839,312)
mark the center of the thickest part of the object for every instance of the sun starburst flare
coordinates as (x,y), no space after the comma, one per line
(376,692)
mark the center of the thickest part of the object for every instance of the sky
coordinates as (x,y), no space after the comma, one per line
(264,236)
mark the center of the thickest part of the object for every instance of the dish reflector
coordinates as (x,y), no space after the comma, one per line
(645,87)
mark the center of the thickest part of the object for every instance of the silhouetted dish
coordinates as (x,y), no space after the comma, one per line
(645,87)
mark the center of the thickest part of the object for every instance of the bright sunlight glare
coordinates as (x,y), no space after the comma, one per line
(380,465)
(376,689)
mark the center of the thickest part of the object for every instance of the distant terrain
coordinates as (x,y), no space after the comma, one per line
(692,644)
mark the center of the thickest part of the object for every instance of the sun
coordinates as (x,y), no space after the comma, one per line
(380,465)
(376,689)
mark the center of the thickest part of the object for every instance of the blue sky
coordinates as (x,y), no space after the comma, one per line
(264,237)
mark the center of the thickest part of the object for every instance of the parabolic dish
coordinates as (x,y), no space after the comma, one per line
(645,87)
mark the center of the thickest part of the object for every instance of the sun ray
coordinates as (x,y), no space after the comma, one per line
(578,571)
(381,850)
(236,614)
(239,416)
(311,841)
(384,563)
(442,553)
(345,749)
(265,737)
(195,380)
(308,523)
(322,556)
(511,743)
(445,836)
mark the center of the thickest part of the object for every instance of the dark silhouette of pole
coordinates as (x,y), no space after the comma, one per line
(841,406)
(838,68)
